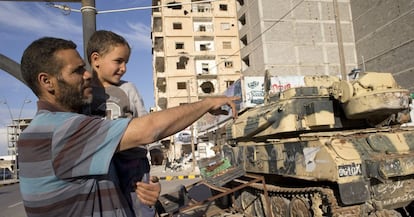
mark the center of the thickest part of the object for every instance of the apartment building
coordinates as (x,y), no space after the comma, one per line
(196,50)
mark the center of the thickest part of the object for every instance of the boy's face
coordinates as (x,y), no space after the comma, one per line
(110,67)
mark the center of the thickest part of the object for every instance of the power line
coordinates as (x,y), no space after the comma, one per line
(66,9)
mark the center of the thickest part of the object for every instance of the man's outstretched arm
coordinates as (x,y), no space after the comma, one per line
(158,125)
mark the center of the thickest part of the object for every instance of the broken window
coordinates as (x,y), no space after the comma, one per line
(207,87)
(182,62)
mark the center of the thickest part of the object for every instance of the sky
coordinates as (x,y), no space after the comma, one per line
(23,22)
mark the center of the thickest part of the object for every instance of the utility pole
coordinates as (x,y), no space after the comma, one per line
(340,41)
(89,24)
(191,129)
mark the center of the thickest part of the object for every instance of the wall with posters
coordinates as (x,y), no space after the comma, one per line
(254,87)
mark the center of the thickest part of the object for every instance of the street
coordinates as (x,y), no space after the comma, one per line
(11,202)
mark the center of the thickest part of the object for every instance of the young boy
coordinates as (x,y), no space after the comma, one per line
(108,53)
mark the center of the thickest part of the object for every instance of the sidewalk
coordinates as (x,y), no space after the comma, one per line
(186,173)
(8,182)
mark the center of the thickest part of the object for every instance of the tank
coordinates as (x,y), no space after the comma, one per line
(329,148)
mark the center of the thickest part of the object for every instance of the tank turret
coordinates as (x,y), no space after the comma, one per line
(325,103)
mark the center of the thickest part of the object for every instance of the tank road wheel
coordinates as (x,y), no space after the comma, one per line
(247,202)
(299,207)
(280,206)
(260,206)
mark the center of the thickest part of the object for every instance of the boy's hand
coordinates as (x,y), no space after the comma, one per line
(148,193)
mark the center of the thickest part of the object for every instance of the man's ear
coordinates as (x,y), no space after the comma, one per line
(45,81)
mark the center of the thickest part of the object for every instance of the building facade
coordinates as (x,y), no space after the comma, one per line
(290,37)
(384,36)
(13,132)
(196,50)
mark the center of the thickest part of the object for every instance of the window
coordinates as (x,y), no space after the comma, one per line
(223,7)
(179,45)
(201,7)
(203,47)
(228,64)
(202,28)
(174,5)
(177,26)
(229,83)
(226,44)
(225,26)
(157,24)
(182,62)
(159,44)
(181,85)
(180,65)
(204,68)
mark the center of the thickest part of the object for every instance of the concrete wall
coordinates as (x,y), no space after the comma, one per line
(384,36)
(288,37)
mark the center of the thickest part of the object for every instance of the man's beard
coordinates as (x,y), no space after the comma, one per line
(71,97)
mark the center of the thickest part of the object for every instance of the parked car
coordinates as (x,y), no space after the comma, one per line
(5,173)
(184,137)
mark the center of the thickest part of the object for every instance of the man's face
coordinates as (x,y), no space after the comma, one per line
(73,84)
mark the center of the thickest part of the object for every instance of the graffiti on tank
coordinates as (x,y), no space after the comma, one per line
(399,199)
(390,188)
(350,170)
(293,153)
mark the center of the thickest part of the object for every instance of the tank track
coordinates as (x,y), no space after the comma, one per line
(318,200)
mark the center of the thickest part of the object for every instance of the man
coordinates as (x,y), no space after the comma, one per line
(65,158)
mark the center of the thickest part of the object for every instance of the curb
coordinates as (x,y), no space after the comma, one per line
(10,182)
(170,178)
